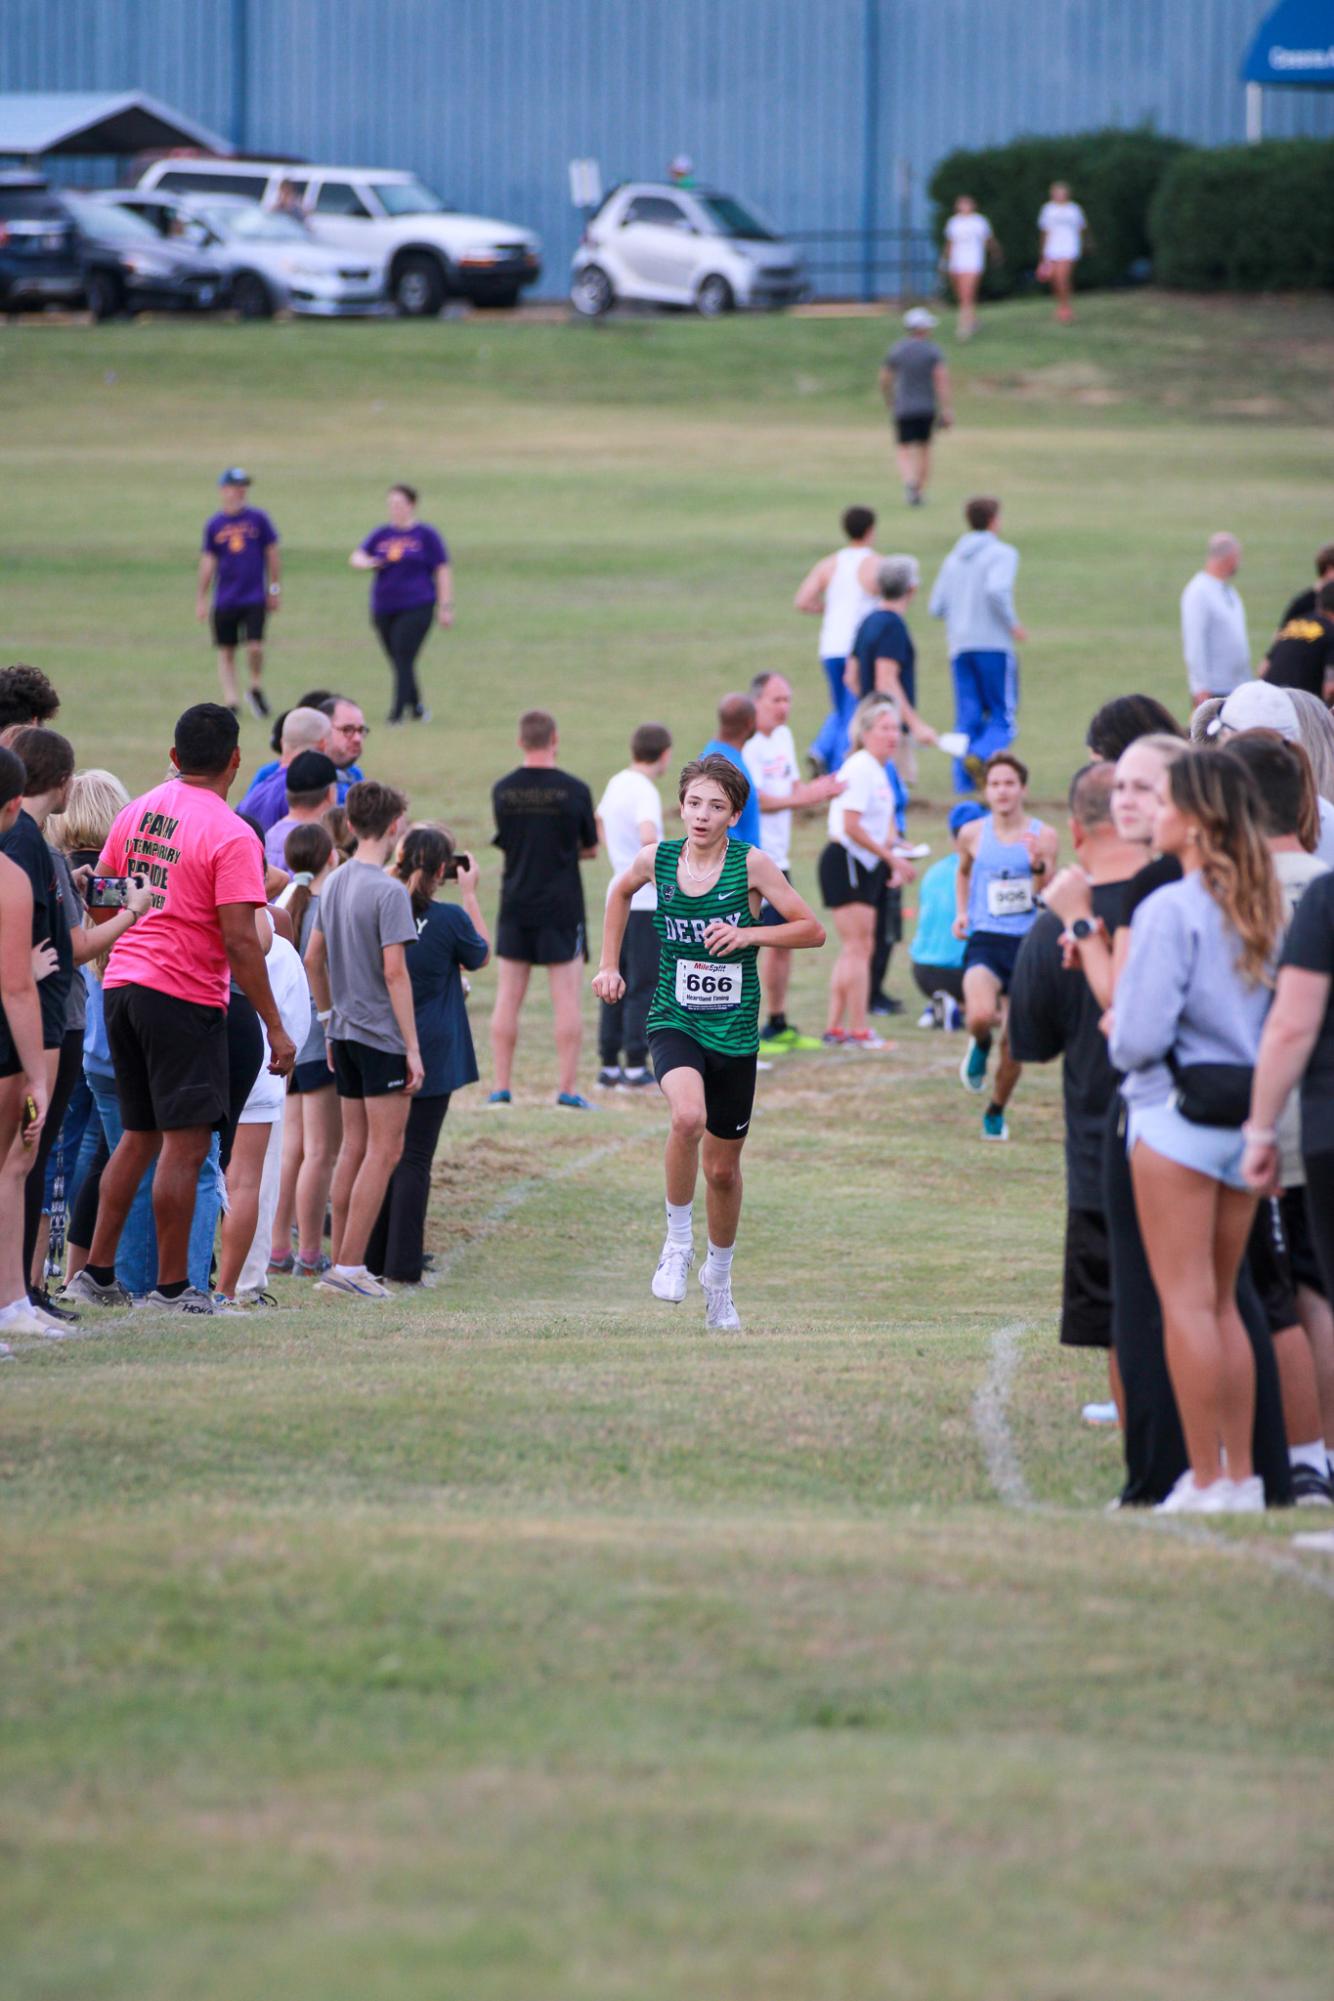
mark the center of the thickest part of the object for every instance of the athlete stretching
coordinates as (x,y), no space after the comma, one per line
(1003,862)
(704,1022)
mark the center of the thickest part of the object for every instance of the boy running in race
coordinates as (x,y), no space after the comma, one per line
(1004,860)
(704,1022)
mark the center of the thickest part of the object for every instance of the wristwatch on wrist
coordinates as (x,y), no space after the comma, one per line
(1083,927)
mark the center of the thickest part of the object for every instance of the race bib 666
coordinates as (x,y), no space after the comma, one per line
(706,985)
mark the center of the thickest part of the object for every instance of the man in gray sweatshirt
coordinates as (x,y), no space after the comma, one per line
(974,594)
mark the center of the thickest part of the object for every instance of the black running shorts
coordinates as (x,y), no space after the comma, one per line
(844,880)
(729,1081)
(1271,1267)
(169,1058)
(540,944)
(245,622)
(361,1071)
(914,430)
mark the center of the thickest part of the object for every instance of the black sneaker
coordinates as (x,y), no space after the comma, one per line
(1311,1489)
(609,1076)
(637,1080)
(258,702)
(40,1297)
(885,1004)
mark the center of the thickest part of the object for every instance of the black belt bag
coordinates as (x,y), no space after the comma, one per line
(1213,1094)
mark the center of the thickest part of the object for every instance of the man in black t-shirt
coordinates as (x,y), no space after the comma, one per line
(1301,654)
(544,828)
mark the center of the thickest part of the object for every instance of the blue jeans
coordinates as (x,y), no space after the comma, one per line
(986,705)
(136,1253)
(73,1148)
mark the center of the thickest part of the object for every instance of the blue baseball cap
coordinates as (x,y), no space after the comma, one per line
(234,476)
(967,810)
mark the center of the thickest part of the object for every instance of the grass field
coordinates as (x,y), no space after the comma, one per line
(515,1643)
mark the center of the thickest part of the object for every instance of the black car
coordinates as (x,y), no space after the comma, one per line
(39,253)
(128,268)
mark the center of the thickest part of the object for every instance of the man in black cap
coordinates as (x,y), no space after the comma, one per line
(312,786)
(239,558)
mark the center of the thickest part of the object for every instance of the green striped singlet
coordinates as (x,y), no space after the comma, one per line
(695,993)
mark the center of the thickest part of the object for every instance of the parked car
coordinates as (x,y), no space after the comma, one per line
(674,246)
(128,268)
(427,252)
(272,262)
(39,252)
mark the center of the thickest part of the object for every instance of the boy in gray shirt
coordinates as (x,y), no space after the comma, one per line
(915,382)
(359,977)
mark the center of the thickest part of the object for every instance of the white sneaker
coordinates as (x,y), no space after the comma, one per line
(358,1282)
(23,1318)
(1100,1413)
(669,1280)
(1245,1497)
(1188,1499)
(719,1313)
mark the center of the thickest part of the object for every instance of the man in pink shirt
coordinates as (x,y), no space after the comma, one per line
(166,990)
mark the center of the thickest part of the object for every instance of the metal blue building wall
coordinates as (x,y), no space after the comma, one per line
(489,102)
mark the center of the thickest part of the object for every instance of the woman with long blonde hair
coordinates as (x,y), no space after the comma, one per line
(1187,1017)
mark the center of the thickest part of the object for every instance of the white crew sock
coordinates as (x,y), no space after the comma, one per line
(680,1229)
(1312,1455)
(349,1271)
(720,1262)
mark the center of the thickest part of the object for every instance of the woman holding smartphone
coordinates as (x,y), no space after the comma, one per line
(449,941)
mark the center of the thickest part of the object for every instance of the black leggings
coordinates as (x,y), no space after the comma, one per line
(395,1247)
(68,1073)
(888,931)
(935,980)
(622,1023)
(1155,1447)
(1320,1212)
(402,635)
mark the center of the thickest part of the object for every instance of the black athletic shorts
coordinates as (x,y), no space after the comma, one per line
(362,1072)
(540,944)
(729,1081)
(844,880)
(768,915)
(313,1076)
(1301,1250)
(245,622)
(914,430)
(998,951)
(1271,1267)
(1086,1288)
(170,1060)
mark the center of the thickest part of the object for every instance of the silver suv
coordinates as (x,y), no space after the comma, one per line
(675,246)
(425,251)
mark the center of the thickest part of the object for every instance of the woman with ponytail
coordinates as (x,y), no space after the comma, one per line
(449,940)
(1187,1017)
(313,1122)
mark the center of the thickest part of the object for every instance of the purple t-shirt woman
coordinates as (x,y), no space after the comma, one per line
(408,559)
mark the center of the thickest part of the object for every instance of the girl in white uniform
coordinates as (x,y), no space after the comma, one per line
(968,244)
(1064,228)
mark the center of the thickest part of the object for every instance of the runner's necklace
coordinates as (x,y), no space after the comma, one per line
(707,875)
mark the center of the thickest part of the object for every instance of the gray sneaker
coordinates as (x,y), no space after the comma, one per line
(84,1290)
(189,1301)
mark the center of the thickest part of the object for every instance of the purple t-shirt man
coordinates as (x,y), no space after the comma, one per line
(238,542)
(411,557)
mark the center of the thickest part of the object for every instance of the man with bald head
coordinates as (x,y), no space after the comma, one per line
(736,727)
(1214,640)
(303,729)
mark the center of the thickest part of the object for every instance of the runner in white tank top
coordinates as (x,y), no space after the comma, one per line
(835,592)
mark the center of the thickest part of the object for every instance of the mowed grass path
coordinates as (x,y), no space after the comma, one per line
(518,1641)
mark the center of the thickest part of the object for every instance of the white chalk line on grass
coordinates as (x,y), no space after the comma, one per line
(991,1423)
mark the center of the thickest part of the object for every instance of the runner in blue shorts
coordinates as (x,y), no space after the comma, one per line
(1004,860)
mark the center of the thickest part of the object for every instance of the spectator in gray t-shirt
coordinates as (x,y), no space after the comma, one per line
(915,383)
(359,978)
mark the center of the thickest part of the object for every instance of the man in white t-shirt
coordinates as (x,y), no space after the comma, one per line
(629,817)
(771,764)
(968,244)
(1065,233)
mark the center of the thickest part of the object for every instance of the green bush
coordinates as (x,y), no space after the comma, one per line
(1112,175)
(1247,218)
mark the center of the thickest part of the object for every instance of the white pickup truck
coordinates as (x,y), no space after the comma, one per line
(428,251)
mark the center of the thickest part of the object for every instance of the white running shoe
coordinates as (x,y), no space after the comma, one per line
(357,1281)
(22,1318)
(720,1315)
(1188,1499)
(669,1280)
(1247,1497)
